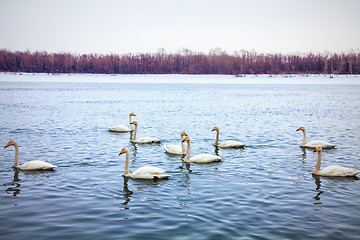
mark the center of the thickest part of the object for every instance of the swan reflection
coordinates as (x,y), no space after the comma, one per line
(318,186)
(216,150)
(134,149)
(185,182)
(303,154)
(185,175)
(14,186)
(140,185)
(335,181)
(127,194)
(144,184)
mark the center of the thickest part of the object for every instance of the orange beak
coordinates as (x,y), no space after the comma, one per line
(8,144)
(213,129)
(122,151)
(132,114)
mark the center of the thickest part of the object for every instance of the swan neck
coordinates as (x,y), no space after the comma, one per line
(318,163)
(126,170)
(131,127)
(134,135)
(16,161)
(182,145)
(217,138)
(303,143)
(187,156)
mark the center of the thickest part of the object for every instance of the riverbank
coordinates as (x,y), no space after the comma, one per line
(183,78)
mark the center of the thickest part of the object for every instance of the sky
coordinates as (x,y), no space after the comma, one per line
(149,26)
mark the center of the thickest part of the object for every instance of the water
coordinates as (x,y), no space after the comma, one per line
(265,191)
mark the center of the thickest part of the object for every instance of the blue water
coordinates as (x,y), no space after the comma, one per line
(264,191)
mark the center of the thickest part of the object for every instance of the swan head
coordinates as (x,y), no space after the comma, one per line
(183,133)
(215,128)
(124,150)
(132,114)
(318,149)
(134,122)
(10,143)
(187,138)
(301,128)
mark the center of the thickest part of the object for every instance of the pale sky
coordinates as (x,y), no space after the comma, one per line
(144,26)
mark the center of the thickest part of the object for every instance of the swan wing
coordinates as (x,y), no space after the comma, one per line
(37,165)
(231,144)
(315,143)
(119,128)
(149,172)
(205,158)
(338,171)
(173,149)
(148,140)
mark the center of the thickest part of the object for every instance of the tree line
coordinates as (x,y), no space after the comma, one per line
(185,61)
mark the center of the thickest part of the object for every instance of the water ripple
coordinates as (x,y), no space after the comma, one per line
(264,191)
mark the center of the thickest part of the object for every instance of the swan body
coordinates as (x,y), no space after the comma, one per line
(228,143)
(144,139)
(200,158)
(149,172)
(177,149)
(122,128)
(146,172)
(314,143)
(332,171)
(32,165)
(205,158)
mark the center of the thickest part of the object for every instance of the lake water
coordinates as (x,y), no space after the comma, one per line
(264,191)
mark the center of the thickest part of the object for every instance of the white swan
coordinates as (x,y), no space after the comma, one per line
(200,158)
(32,165)
(228,143)
(144,139)
(123,128)
(177,149)
(314,143)
(332,171)
(146,172)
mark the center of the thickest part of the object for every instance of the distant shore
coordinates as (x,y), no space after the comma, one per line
(187,62)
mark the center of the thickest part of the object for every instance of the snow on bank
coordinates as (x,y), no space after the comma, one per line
(180,78)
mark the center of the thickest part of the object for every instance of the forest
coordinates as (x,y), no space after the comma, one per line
(185,61)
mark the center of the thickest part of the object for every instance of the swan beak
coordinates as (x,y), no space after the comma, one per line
(120,153)
(132,114)
(298,129)
(316,149)
(7,145)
